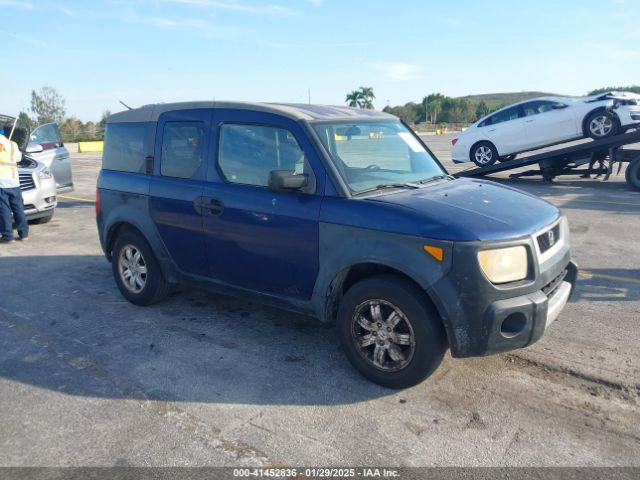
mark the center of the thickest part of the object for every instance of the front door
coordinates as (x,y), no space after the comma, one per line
(180,167)
(54,154)
(256,238)
(546,125)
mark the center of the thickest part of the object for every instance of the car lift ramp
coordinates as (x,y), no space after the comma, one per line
(567,160)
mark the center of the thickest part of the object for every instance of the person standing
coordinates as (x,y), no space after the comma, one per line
(10,194)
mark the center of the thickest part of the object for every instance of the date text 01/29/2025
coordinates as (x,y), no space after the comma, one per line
(316,472)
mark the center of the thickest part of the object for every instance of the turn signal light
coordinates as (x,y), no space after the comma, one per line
(454,141)
(435,252)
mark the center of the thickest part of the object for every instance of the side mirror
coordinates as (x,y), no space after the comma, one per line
(283,181)
(34,148)
(559,106)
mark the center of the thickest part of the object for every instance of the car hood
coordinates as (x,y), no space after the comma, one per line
(612,96)
(467,210)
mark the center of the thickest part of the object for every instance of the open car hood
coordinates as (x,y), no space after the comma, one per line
(21,131)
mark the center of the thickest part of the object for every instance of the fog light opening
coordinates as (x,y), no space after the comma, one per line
(513,325)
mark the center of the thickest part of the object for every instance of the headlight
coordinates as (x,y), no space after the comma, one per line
(45,174)
(504,265)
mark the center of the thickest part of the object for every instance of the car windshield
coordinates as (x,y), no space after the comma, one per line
(375,155)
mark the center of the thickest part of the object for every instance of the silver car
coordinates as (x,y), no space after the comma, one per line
(36,177)
(46,146)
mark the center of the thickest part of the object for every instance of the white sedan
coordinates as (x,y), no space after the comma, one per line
(542,122)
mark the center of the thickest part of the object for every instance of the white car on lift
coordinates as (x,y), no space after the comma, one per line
(545,121)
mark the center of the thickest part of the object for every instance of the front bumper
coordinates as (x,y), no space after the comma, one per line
(482,318)
(38,196)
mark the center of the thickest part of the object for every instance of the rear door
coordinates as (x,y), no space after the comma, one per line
(54,154)
(506,130)
(256,238)
(546,125)
(180,167)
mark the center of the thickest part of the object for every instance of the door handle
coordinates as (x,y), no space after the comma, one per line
(492,130)
(529,121)
(208,206)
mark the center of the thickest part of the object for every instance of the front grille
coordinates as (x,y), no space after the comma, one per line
(549,238)
(26,181)
(552,287)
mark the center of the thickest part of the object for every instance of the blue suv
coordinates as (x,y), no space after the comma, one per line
(338,213)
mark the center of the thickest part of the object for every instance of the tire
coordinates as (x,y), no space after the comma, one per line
(483,154)
(42,220)
(416,339)
(632,174)
(601,124)
(142,287)
(507,158)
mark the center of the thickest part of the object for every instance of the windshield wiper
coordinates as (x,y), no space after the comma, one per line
(383,186)
(437,177)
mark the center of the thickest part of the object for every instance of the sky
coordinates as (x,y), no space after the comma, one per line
(98,52)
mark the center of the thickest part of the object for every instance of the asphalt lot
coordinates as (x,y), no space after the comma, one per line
(87,379)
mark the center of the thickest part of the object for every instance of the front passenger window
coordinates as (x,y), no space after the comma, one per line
(248,153)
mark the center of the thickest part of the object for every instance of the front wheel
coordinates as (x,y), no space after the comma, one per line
(136,270)
(484,154)
(389,331)
(602,124)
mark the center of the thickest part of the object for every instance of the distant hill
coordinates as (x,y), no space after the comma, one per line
(496,100)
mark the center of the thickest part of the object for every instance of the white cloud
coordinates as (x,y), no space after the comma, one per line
(234,5)
(16,4)
(317,3)
(398,71)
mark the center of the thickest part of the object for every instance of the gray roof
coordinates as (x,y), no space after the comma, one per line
(296,111)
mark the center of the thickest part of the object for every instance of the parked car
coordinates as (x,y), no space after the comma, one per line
(542,122)
(36,179)
(342,214)
(46,146)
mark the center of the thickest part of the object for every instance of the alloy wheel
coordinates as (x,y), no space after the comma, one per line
(383,335)
(132,268)
(483,155)
(601,125)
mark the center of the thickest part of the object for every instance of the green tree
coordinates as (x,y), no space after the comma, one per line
(361,98)
(630,88)
(481,110)
(26,119)
(367,97)
(354,99)
(47,105)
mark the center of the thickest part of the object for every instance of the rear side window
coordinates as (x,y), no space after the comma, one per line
(248,153)
(182,149)
(125,146)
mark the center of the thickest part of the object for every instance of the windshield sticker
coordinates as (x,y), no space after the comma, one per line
(411,141)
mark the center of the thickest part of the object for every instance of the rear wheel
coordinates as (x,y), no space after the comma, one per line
(136,270)
(484,154)
(389,331)
(601,124)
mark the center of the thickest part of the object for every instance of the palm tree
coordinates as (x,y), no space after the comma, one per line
(354,99)
(367,97)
